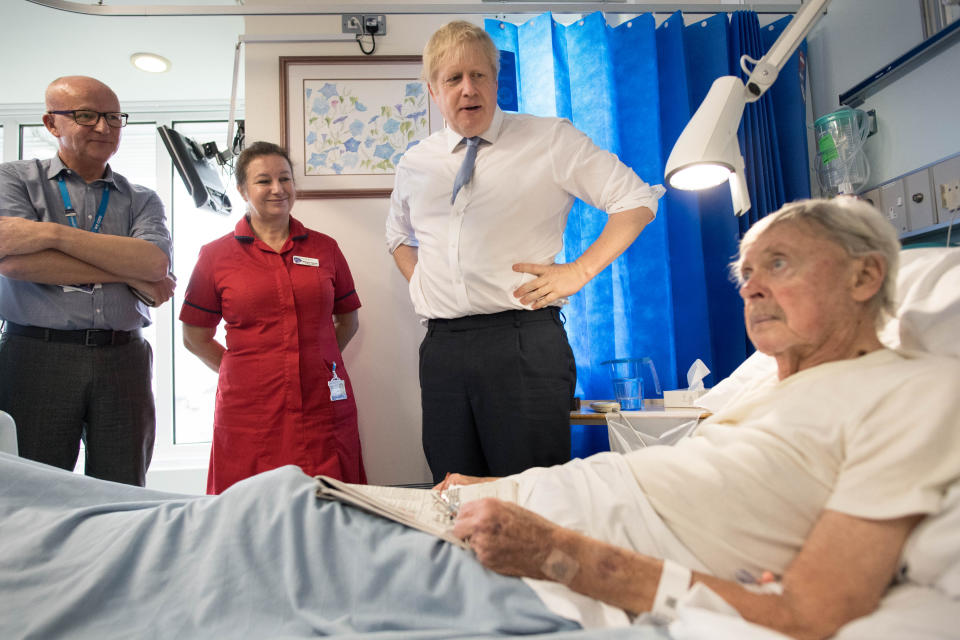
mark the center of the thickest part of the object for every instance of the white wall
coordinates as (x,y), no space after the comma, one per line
(383,357)
(916,113)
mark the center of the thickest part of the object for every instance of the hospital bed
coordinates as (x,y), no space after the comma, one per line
(144,581)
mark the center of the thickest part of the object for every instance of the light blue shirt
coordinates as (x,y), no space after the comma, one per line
(29,189)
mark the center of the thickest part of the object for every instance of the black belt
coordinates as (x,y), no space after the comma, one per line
(482,321)
(86,337)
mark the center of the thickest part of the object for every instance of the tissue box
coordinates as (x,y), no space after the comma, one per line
(682,397)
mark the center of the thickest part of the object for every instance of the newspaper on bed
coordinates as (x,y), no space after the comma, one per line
(429,511)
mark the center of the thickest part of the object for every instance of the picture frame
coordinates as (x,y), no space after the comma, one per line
(347,120)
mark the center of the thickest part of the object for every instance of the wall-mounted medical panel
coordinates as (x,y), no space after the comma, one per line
(946,188)
(921,209)
(872,196)
(893,204)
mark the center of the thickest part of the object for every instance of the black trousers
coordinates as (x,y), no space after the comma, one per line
(496,392)
(61,393)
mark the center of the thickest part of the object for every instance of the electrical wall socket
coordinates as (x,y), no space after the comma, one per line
(363,24)
(375,23)
(352,22)
(950,195)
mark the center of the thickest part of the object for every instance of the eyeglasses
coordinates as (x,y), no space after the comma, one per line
(88,118)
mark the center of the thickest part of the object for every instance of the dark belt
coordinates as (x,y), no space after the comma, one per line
(485,320)
(86,337)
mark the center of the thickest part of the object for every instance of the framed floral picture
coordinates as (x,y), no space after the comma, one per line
(346,121)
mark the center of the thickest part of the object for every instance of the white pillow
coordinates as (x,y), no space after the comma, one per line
(755,369)
(928,314)
(928,289)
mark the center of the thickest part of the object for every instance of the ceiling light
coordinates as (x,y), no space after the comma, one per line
(150,62)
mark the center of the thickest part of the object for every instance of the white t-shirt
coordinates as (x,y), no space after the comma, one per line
(875,437)
(527,174)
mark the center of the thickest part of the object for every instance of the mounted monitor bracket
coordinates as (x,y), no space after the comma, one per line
(200,177)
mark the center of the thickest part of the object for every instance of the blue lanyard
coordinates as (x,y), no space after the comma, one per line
(72,213)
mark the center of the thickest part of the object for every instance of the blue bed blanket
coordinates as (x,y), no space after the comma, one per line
(83,558)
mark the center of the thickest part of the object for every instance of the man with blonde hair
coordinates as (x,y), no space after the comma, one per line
(476,221)
(78,242)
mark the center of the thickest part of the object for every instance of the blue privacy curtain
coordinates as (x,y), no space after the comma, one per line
(632,88)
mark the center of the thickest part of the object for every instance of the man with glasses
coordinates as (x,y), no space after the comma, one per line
(81,252)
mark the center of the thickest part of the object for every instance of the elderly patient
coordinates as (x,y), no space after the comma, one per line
(818,476)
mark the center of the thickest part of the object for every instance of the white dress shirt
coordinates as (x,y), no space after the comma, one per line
(527,174)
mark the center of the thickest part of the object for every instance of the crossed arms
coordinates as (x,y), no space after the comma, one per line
(52,253)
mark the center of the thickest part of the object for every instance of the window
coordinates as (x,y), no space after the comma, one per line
(136,159)
(36,142)
(194,384)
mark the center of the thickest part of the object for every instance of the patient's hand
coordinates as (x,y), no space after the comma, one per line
(460,479)
(506,537)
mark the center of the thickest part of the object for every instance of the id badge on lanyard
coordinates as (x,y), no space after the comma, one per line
(71,214)
(338,388)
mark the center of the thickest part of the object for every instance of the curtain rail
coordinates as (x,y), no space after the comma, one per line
(474,8)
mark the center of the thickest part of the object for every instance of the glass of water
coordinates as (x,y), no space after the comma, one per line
(626,375)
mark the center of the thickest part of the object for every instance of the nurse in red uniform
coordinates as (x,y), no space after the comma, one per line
(288,300)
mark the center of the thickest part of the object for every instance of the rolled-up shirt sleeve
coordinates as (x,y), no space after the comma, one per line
(597,176)
(149,222)
(399,229)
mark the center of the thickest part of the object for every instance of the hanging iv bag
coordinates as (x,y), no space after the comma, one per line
(842,165)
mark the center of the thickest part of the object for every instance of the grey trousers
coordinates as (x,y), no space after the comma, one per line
(60,394)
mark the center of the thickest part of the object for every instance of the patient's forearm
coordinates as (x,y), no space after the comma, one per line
(629,581)
(840,574)
(608,573)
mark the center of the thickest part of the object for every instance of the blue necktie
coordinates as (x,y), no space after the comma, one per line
(466,169)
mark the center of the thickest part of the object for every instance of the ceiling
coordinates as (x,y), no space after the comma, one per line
(38,44)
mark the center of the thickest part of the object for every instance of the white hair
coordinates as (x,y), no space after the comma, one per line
(853,224)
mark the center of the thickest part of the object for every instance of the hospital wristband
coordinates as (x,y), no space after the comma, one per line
(674,582)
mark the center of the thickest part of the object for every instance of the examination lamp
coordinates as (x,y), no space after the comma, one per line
(707,153)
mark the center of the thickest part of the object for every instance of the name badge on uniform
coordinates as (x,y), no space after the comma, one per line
(307,262)
(338,388)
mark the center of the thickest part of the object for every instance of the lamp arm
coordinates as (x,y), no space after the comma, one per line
(766,69)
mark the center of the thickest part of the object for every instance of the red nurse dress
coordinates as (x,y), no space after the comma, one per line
(273,403)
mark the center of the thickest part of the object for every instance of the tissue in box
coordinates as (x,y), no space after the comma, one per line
(682,397)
